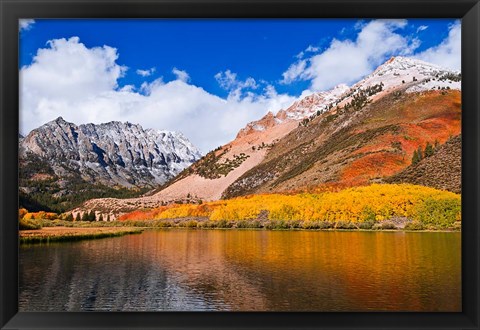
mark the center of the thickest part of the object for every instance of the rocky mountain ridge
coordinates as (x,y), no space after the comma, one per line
(312,104)
(347,136)
(397,72)
(62,164)
(113,153)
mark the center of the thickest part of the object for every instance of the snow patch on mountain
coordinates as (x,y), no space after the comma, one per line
(315,102)
(435,84)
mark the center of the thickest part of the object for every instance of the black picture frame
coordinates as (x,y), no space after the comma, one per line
(12,10)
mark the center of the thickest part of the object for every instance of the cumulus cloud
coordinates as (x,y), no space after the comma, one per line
(80,84)
(25,24)
(181,75)
(145,73)
(349,60)
(448,53)
(68,70)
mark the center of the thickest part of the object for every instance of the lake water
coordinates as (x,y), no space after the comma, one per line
(245,270)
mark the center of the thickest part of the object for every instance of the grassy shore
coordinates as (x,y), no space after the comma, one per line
(59,234)
(399,224)
(403,224)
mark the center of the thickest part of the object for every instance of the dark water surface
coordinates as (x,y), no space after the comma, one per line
(245,270)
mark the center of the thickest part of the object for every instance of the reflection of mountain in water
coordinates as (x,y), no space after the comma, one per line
(245,270)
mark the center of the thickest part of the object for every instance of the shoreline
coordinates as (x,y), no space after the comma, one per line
(96,231)
(64,234)
(394,224)
(323,230)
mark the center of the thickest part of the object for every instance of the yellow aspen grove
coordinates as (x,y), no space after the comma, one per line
(377,202)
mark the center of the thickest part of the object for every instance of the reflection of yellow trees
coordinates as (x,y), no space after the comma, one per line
(375,202)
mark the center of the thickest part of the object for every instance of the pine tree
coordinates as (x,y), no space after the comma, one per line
(77,218)
(108,217)
(91,216)
(100,218)
(415,158)
(85,216)
(428,150)
(69,217)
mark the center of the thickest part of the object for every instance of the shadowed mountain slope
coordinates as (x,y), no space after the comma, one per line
(442,170)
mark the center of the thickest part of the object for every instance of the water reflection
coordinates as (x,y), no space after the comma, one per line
(245,270)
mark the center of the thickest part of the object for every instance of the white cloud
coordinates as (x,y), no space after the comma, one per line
(226,79)
(448,53)
(68,70)
(414,43)
(294,71)
(422,28)
(312,49)
(309,49)
(25,24)
(181,75)
(229,81)
(127,88)
(80,84)
(145,73)
(349,60)
(147,88)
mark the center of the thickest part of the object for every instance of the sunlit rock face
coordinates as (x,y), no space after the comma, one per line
(114,153)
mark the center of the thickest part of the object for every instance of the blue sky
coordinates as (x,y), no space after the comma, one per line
(176,74)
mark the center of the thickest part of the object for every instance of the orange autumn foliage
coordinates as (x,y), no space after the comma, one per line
(38,215)
(431,117)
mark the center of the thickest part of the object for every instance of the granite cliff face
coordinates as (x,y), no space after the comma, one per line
(115,155)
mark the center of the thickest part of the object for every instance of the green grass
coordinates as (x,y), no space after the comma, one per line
(438,213)
(75,237)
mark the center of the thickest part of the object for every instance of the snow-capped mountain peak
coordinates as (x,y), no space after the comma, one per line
(113,153)
(397,72)
(400,70)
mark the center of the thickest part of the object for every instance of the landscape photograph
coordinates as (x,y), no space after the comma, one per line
(240,165)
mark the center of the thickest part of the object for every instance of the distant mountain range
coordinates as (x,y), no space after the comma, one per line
(62,157)
(344,137)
